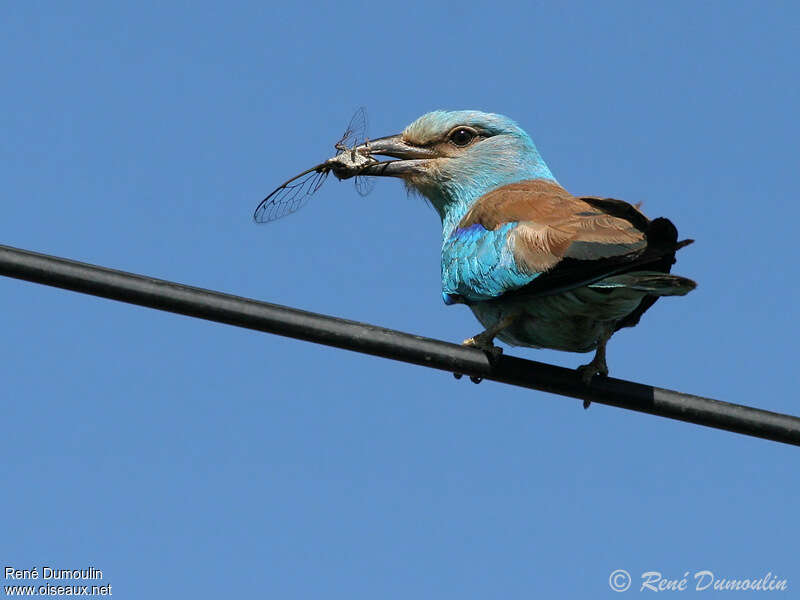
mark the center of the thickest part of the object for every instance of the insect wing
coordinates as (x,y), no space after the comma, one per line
(364,185)
(356,132)
(355,135)
(291,196)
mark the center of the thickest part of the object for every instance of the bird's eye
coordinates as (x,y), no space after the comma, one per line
(462,136)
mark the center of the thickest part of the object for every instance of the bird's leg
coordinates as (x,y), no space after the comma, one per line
(484,341)
(598,365)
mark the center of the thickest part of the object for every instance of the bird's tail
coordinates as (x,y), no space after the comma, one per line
(650,282)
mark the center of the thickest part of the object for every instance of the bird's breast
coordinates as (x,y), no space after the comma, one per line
(572,321)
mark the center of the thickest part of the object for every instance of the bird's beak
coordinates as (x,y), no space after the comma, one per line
(412,159)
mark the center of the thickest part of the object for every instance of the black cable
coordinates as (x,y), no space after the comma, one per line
(378,341)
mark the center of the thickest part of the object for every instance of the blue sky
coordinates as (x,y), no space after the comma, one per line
(191,459)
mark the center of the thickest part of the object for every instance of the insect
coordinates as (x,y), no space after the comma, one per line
(293,194)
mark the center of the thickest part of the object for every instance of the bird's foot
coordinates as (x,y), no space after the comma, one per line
(485,342)
(587,372)
(472,378)
(596,367)
(482,341)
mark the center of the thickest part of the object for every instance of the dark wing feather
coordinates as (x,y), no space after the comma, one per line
(569,273)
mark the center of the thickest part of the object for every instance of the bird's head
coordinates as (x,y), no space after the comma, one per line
(454,157)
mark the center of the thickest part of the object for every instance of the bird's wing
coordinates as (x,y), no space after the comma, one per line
(533,237)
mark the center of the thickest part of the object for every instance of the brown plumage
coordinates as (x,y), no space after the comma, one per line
(553,225)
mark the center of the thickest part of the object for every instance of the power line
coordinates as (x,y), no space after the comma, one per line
(388,343)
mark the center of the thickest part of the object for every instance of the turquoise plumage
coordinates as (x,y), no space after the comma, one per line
(479,265)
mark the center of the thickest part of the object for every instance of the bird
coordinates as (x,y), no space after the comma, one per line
(538,266)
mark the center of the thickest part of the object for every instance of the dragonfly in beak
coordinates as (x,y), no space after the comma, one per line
(355,159)
(351,159)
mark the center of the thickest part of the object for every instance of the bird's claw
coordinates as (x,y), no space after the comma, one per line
(473,378)
(485,343)
(588,371)
(482,342)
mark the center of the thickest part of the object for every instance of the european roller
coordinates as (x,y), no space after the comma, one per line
(537,266)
